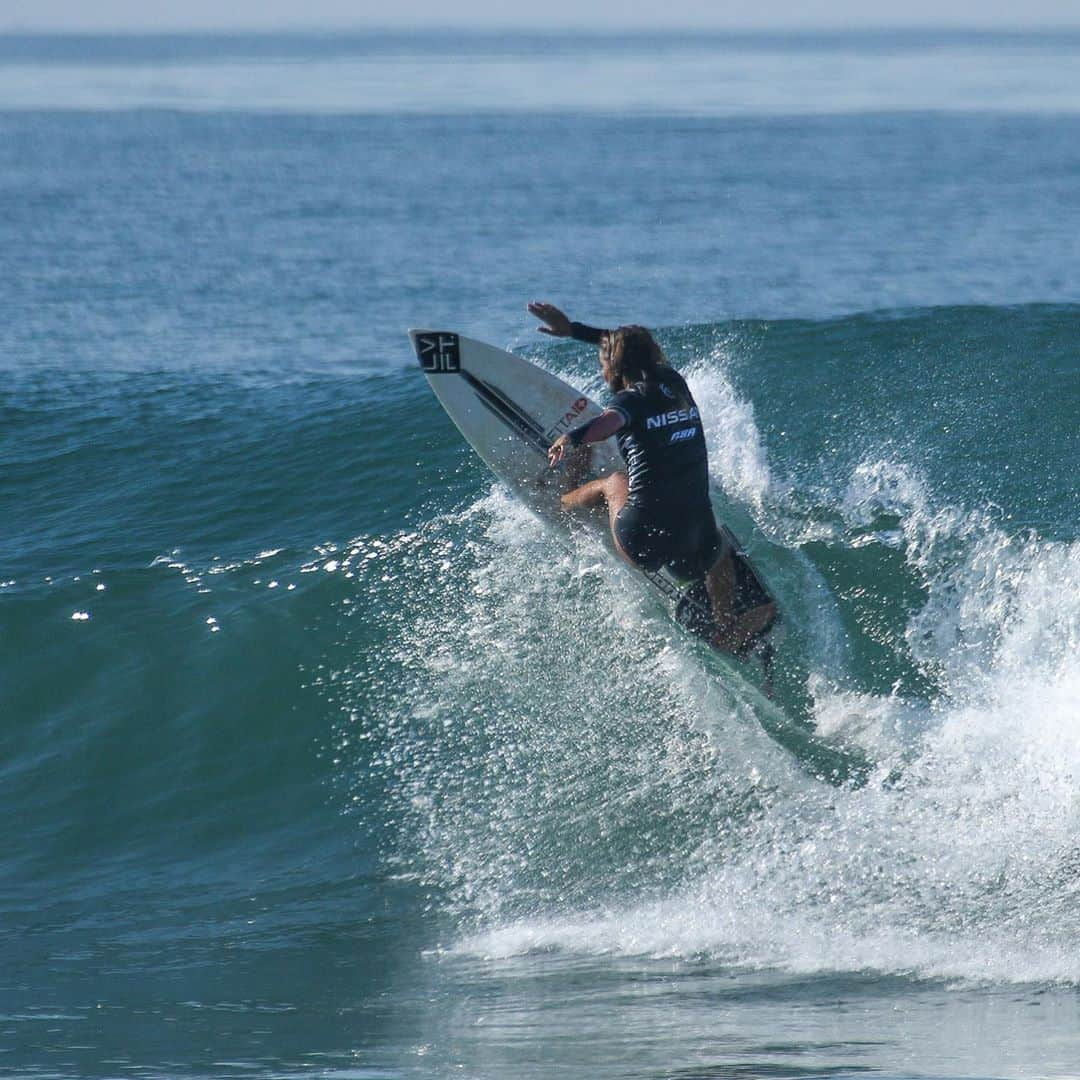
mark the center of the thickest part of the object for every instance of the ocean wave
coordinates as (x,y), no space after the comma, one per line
(577,781)
(525,732)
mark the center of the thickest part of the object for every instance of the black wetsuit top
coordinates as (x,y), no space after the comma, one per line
(663,444)
(668,518)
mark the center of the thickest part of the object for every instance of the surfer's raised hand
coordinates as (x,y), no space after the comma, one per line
(558,325)
(557,449)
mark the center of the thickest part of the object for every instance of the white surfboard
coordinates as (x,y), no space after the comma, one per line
(510,411)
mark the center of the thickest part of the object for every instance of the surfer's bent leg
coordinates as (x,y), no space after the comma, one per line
(721,586)
(753,624)
(736,630)
(611,490)
(578,466)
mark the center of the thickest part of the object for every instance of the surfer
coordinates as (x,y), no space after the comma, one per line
(659,508)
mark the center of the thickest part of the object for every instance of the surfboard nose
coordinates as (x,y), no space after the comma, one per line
(438,351)
(414,335)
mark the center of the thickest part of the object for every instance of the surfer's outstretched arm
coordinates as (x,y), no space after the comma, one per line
(559,324)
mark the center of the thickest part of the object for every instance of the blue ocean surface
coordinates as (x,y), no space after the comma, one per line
(319,756)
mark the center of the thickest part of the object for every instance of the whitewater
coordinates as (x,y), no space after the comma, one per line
(932,867)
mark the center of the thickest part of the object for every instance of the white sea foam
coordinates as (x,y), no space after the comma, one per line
(578,780)
(961,863)
(737,456)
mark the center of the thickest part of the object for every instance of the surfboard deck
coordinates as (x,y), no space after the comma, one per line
(510,411)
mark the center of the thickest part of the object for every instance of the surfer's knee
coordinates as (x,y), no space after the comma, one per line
(585,497)
(748,632)
(616,491)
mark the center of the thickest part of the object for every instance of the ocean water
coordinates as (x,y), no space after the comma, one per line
(319,756)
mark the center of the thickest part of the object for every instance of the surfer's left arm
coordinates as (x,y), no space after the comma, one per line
(596,430)
(559,324)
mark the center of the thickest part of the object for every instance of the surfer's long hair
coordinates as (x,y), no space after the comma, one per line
(630,355)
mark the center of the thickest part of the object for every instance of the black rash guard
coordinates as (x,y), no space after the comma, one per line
(662,442)
(668,518)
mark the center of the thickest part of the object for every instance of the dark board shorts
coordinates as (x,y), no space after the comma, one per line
(686,541)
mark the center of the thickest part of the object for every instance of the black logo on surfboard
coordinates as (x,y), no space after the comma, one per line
(439,354)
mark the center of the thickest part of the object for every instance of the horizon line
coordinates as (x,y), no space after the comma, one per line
(488,29)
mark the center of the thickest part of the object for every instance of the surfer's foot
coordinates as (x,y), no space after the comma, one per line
(745,635)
